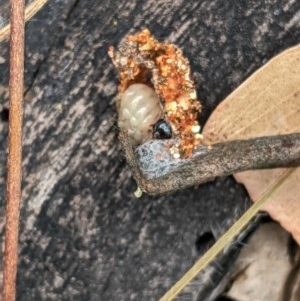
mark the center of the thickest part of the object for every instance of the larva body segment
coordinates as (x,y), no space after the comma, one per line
(139,110)
(141,59)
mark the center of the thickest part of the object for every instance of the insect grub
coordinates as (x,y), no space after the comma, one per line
(141,59)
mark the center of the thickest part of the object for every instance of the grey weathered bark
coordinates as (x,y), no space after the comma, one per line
(83,234)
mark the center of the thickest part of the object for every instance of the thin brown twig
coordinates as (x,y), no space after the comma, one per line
(155,176)
(223,241)
(15,150)
(156,172)
(30,11)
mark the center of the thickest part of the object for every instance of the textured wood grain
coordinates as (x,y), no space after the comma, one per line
(84,236)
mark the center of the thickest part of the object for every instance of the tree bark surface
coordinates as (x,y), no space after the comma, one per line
(84,236)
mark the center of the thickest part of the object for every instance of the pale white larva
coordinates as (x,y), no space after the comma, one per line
(139,110)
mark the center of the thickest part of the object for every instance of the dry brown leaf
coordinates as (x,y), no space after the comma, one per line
(265,269)
(268,103)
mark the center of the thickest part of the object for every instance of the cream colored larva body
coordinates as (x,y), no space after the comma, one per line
(139,110)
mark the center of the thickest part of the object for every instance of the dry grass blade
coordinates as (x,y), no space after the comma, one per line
(15,150)
(284,205)
(265,104)
(224,240)
(30,11)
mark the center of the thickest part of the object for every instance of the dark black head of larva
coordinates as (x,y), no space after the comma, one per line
(162,130)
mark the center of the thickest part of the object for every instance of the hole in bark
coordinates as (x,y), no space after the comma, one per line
(4,115)
(224,298)
(204,241)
